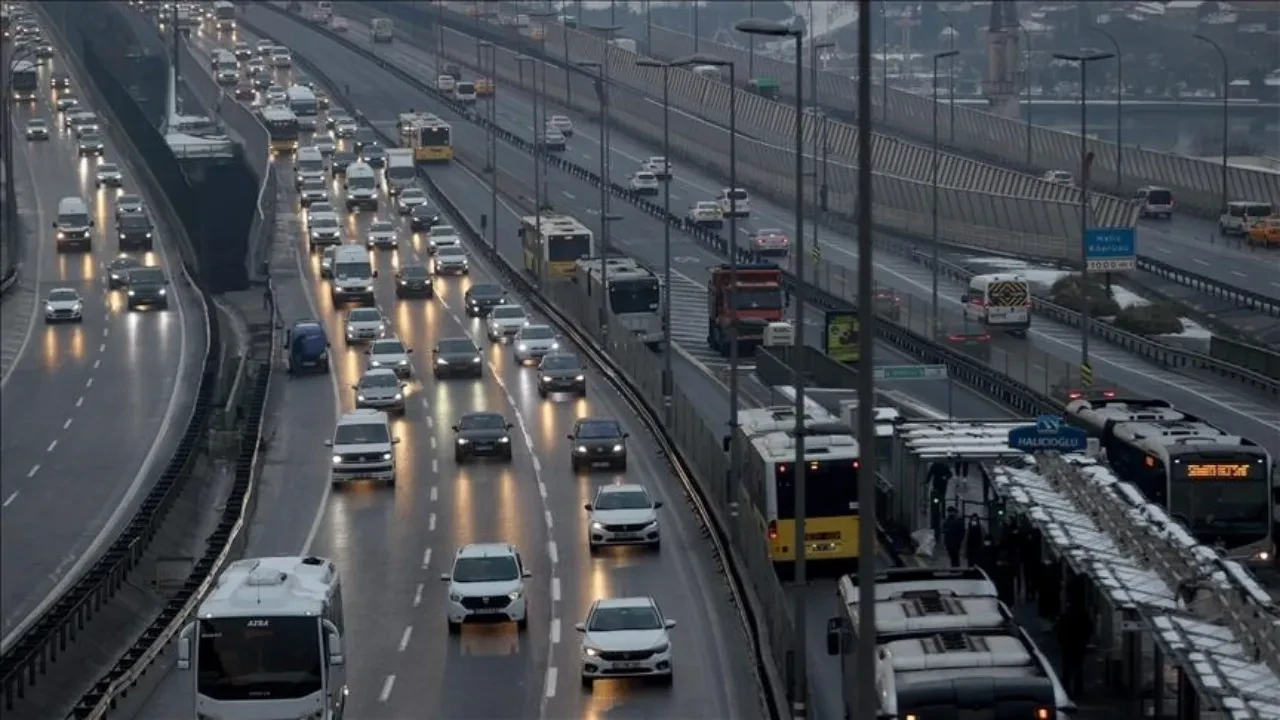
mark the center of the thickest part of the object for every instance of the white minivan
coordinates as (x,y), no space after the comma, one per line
(1237,217)
(361,184)
(309,166)
(73,225)
(363,448)
(734,202)
(352,274)
(1001,301)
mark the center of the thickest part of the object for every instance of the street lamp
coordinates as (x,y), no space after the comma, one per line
(1085,167)
(667,350)
(601,95)
(819,190)
(933,212)
(491,164)
(1226,85)
(951,77)
(1026,81)
(770,28)
(538,140)
(884,61)
(1115,44)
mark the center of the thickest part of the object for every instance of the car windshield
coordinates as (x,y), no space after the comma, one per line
(624,618)
(361,434)
(387,347)
(485,569)
(560,362)
(537,332)
(411,194)
(510,312)
(36,122)
(90,138)
(313,185)
(364,315)
(134,222)
(381,226)
(599,429)
(768,232)
(487,292)
(422,211)
(320,208)
(623,500)
(482,421)
(63,296)
(457,346)
(414,271)
(343,159)
(144,276)
(124,263)
(324,222)
(443,231)
(379,380)
(128,200)
(373,150)
(451,251)
(645,176)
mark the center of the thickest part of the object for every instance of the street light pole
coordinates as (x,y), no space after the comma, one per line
(491,151)
(1226,84)
(537,143)
(667,344)
(800,689)
(884,60)
(951,78)
(1115,44)
(1086,166)
(934,324)
(1026,80)
(819,138)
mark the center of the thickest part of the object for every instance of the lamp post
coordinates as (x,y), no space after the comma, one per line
(751,42)
(10,200)
(1085,168)
(820,137)
(1115,44)
(770,28)
(933,210)
(601,95)
(439,35)
(666,238)
(492,150)
(537,139)
(884,60)
(1026,81)
(951,79)
(1226,84)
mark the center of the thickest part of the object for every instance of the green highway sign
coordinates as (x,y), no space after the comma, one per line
(891,373)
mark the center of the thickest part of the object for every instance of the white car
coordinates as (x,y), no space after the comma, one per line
(107,175)
(451,260)
(383,234)
(313,191)
(659,166)
(625,637)
(326,261)
(644,182)
(228,77)
(442,236)
(265,47)
(1059,177)
(734,202)
(553,140)
(487,584)
(622,515)
(325,230)
(410,198)
(66,103)
(705,213)
(505,321)
(345,127)
(320,210)
(533,342)
(37,129)
(380,389)
(561,123)
(389,352)
(325,145)
(363,448)
(446,83)
(63,305)
(338,23)
(365,324)
(255,68)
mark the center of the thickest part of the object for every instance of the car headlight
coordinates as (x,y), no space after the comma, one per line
(662,648)
(441,361)
(504,440)
(545,378)
(386,456)
(514,594)
(597,526)
(375,363)
(402,282)
(337,459)
(148,236)
(617,448)
(130,293)
(581,448)
(402,363)
(48,306)
(526,323)
(580,378)
(360,398)
(78,306)
(162,292)
(463,441)
(522,347)
(591,652)
(398,396)
(455,597)
(555,346)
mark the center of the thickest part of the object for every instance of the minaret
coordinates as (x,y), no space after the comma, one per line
(1004,40)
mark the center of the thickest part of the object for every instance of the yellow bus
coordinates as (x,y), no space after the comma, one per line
(282,127)
(766,437)
(554,249)
(432,142)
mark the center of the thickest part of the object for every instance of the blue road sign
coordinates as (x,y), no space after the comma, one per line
(1110,249)
(1049,433)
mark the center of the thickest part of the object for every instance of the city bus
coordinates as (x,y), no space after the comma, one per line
(224,14)
(432,141)
(282,126)
(302,101)
(23,81)
(555,248)
(766,437)
(634,292)
(1217,484)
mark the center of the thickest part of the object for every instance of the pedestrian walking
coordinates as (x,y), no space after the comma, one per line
(267,298)
(953,530)
(938,478)
(973,540)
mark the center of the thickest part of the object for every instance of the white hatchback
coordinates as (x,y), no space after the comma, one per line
(505,321)
(625,637)
(391,354)
(622,515)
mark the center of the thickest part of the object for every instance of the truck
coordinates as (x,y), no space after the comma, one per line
(757,301)
(381,30)
(400,172)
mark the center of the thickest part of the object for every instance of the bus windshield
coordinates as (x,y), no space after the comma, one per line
(831,489)
(638,295)
(255,658)
(283,129)
(1221,494)
(434,137)
(567,248)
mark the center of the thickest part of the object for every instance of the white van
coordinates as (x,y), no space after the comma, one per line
(741,205)
(1238,216)
(445,83)
(363,448)
(73,225)
(224,60)
(361,184)
(1001,301)
(309,165)
(352,275)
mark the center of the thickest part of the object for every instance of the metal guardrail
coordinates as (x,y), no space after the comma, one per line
(1240,297)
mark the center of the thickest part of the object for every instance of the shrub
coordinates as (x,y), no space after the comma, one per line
(1158,319)
(1071,293)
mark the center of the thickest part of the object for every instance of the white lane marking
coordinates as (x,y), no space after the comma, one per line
(435,491)
(106,331)
(79,401)
(542,489)
(433,443)
(552,676)
(431,522)
(1198,261)
(425,405)
(435,468)
(9,500)
(1237,273)
(387,684)
(303,278)
(66,424)
(98,363)
(52,445)
(553,552)
(417,594)
(88,383)
(102,348)
(568,194)
(555,630)
(555,589)
(430,422)
(426,558)
(537,465)
(404,638)
(546,514)
(1164,250)
(34,469)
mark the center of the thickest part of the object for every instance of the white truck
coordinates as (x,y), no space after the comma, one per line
(400,172)
(381,30)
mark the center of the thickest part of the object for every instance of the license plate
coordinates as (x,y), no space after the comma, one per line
(627,665)
(626,536)
(487,611)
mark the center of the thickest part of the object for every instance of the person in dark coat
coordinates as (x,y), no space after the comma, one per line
(1074,632)
(938,478)
(986,559)
(1050,592)
(973,540)
(1031,563)
(1005,576)
(953,535)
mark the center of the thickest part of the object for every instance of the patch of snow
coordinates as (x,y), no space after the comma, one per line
(1127,299)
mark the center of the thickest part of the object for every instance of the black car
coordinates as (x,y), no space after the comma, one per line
(561,372)
(134,231)
(245,91)
(414,281)
(365,136)
(484,297)
(423,218)
(482,434)
(263,81)
(373,155)
(147,286)
(597,441)
(339,161)
(457,357)
(60,81)
(118,271)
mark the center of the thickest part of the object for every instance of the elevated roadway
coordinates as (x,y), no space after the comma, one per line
(391,545)
(90,410)
(1227,406)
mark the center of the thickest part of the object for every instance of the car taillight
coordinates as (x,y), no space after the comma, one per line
(773,530)
(1074,394)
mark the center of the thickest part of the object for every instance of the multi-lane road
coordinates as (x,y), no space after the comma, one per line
(90,410)
(391,545)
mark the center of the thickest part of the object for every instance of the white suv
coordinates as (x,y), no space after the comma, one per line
(659,166)
(623,515)
(363,448)
(705,213)
(442,236)
(625,637)
(487,584)
(734,202)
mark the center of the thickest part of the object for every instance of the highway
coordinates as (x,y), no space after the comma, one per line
(391,545)
(1230,407)
(90,410)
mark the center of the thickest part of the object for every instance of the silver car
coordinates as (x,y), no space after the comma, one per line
(392,354)
(380,389)
(63,305)
(383,234)
(534,342)
(364,325)
(451,260)
(505,321)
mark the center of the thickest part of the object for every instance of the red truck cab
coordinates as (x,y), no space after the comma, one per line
(757,301)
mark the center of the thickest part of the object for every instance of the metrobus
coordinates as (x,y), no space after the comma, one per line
(554,248)
(432,141)
(224,14)
(1217,484)
(23,81)
(269,641)
(302,101)
(282,126)
(634,293)
(767,437)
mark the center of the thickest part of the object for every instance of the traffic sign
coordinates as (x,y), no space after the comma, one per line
(816,253)
(1049,433)
(1110,249)
(1086,375)
(891,373)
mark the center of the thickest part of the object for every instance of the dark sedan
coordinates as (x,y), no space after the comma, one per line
(423,218)
(482,298)
(482,434)
(561,372)
(147,287)
(339,162)
(414,281)
(457,357)
(598,441)
(118,271)
(262,82)
(134,232)
(245,91)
